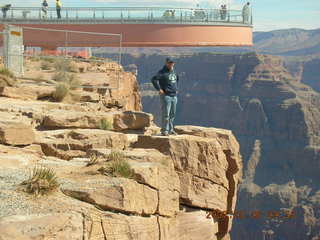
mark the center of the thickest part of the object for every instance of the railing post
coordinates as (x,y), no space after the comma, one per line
(67,14)
(77,16)
(11,13)
(94,14)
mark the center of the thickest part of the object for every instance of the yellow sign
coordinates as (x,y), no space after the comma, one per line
(15,33)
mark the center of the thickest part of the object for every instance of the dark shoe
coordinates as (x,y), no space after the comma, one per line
(173,133)
(164,134)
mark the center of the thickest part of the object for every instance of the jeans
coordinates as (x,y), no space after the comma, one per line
(168,112)
(58,12)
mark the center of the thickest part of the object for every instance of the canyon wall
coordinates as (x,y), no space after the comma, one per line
(276,120)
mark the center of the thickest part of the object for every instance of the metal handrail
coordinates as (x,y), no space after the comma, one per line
(118,8)
(127,14)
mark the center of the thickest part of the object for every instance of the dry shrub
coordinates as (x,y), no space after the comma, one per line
(45,65)
(42,181)
(105,124)
(117,166)
(62,90)
(65,65)
(7,78)
(93,159)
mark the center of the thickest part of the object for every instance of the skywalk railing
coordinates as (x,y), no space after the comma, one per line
(127,15)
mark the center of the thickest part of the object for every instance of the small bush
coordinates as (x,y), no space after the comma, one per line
(61,65)
(66,66)
(41,181)
(117,166)
(94,159)
(70,79)
(105,124)
(60,77)
(115,156)
(49,59)
(61,92)
(73,67)
(73,81)
(6,72)
(35,59)
(165,162)
(45,65)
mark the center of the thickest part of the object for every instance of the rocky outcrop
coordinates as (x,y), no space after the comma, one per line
(115,179)
(205,181)
(175,180)
(310,73)
(274,117)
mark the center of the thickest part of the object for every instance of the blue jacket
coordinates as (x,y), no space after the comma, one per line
(167,81)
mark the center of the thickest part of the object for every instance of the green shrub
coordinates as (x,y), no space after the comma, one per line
(105,124)
(61,65)
(70,79)
(73,81)
(60,77)
(41,181)
(117,166)
(49,59)
(115,156)
(6,72)
(61,92)
(45,65)
(66,65)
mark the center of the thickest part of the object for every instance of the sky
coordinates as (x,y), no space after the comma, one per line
(267,14)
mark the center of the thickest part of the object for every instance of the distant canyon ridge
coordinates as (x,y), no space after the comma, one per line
(267,103)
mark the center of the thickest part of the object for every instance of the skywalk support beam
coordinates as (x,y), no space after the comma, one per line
(145,35)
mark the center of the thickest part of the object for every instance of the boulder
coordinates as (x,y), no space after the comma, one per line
(131,120)
(165,180)
(17,93)
(68,144)
(15,133)
(115,194)
(37,90)
(209,168)
(122,227)
(155,170)
(43,226)
(14,157)
(188,226)
(74,119)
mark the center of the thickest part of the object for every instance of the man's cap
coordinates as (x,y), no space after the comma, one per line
(169,60)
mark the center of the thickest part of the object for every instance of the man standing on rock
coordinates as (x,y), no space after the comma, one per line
(166,82)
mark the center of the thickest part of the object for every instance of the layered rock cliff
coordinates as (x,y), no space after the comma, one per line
(276,120)
(173,181)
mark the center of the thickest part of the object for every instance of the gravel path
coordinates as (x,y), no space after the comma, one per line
(13,202)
